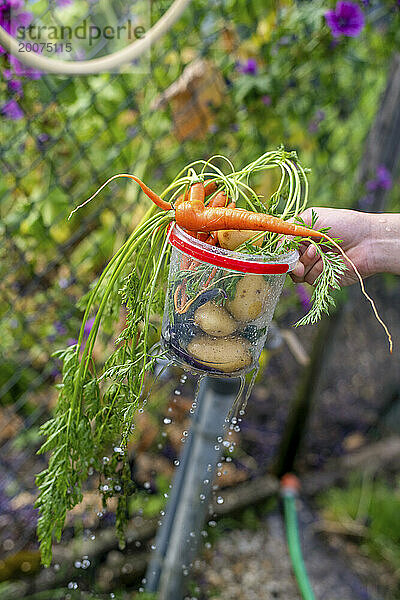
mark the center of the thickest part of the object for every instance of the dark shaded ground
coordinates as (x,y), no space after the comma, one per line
(248,565)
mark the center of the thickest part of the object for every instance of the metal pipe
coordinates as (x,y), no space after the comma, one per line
(177,539)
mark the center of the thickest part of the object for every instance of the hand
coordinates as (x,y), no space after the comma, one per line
(356,229)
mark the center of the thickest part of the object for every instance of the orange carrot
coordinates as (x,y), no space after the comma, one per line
(219,200)
(197,194)
(197,218)
(152,195)
(210,186)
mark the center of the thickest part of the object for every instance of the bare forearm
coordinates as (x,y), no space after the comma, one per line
(385,243)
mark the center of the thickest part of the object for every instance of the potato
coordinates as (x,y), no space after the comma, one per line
(250,298)
(230,239)
(214,320)
(227,354)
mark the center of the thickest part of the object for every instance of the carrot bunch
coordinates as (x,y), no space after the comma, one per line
(204,208)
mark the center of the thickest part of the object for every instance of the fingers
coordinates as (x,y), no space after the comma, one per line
(308,259)
(314,272)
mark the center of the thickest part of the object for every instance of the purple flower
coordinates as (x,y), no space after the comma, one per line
(59,327)
(249,67)
(63,282)
(366,202)
(64,2)
(88,327)
(383,180)
(11,18)
(132,132)
(313,125)
(22,71)
(304,296)
(14,85)
(346,19)
(266,100)
(12,110)
(384,177)
(41,139)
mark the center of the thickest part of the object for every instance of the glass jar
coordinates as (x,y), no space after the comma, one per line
(219,305)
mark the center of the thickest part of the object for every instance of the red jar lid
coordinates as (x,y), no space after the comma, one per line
(235,261)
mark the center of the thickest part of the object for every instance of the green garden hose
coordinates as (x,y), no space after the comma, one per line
(289,493)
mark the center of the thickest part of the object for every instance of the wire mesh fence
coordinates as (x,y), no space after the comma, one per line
(70,135)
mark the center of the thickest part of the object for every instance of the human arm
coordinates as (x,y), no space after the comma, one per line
(371,240)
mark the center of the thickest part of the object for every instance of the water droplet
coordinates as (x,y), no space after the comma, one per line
(147,485)
(206,481)
(77,564)
(105,460)
(72,585)
(207,545)
(220,500)
(99,514)
(117,488)
(56,567)
(185,433)
(176,462)
(177,392)
(165,495)
(219,439)
(204,533)
(138,544)
(228,459)
(153,546)
(212,523)
(216,447)
(93,537)
(202,497)
(167,421)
